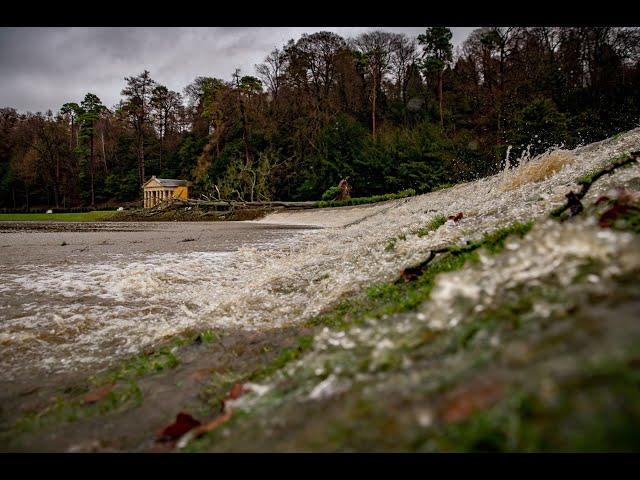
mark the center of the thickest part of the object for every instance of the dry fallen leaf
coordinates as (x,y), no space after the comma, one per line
(236,391)
(98,393)
(183,423)
(458,216)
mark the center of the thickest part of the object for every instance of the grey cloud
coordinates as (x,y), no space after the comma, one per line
(42,68)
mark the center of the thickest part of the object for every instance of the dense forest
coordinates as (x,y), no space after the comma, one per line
(388,111)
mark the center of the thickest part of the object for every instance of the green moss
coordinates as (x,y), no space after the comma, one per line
(597,411)
(287,355)
(207,336)
(65,410)
(393,297)
(559,213)
(435,223)
(589,177)
(139,366)
(70,406)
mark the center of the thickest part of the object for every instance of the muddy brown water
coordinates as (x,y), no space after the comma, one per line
(42,242)
(57,281)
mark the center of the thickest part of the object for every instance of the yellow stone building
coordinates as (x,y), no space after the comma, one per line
(158,190)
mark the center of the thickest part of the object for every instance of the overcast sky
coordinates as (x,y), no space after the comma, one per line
(42,68)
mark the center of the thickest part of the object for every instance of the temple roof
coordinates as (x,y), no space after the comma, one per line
(166,182)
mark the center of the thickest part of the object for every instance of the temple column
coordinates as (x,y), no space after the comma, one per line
(144,199)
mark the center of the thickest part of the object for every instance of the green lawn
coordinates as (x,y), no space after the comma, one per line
(58,217)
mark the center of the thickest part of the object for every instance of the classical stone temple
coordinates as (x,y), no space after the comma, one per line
(157,190)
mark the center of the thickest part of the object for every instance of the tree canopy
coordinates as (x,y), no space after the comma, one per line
(389,111)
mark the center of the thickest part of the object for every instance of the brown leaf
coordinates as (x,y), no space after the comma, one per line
(457,217)
(463,402)
(98,393)
(236,391)
(184,422)
(608,218)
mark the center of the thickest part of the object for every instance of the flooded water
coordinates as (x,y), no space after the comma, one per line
(82,295)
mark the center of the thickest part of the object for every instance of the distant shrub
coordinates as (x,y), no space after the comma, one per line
(331,193)
(410,192)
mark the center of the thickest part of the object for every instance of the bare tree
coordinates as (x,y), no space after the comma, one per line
(404,57)
(374,51)
(272,70)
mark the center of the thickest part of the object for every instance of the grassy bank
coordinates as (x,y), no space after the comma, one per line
(94,216)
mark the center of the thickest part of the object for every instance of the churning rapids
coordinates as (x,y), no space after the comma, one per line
(114,291)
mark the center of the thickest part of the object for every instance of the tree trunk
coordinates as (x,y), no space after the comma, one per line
(440,98)
(141,156)
(56,186)
(104,156)
(373,105)
(161,144)
(91,170)
(245,133)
